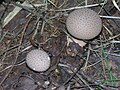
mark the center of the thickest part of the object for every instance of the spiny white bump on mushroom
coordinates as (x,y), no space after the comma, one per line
(84,24)
(38,60)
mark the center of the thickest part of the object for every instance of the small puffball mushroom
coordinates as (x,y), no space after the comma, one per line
(84,24)
(38,60)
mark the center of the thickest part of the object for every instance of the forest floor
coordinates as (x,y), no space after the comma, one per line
(42,24)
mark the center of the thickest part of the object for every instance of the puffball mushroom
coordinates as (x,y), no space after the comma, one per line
(84,24)
(38,60)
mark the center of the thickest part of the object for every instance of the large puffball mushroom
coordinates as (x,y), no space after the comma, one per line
(84,24)
(38,60)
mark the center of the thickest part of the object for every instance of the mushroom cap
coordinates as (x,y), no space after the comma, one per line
(38,60)
(84,23)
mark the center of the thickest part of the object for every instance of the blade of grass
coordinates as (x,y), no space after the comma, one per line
(112,77)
